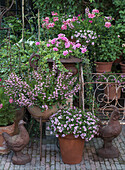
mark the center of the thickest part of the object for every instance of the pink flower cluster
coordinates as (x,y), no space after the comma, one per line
(108,24)
(63,44)
(49,24)
(1,105)
(74,121)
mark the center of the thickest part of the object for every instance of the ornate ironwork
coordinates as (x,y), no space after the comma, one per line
(4,10)
(108,91)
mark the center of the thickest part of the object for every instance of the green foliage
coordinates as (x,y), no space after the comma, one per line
(7,109)
(61,6)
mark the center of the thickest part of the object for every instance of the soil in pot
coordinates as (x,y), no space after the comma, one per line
(71,149)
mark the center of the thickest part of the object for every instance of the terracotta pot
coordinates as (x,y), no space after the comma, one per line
(122,67)
(69,63)
(102,67)
(110,91)
(71,149)
(10,130)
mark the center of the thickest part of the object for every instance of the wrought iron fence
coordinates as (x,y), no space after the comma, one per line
(108,91)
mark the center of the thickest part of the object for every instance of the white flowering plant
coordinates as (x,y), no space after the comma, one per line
(74,121)
(42,88)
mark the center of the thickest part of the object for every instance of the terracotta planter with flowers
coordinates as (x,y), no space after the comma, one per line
(71,149)
(73,126)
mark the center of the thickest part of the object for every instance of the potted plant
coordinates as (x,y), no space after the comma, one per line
(101,38)
(42,90)
(73,126)
(61,50)
(7,117)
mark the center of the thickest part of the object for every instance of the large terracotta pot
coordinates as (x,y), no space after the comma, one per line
(10,130)
(110,91)
(122,67)
(102,67)
(71,149)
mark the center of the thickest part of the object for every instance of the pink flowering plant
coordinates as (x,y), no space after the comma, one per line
(7,108)
(61,47)
(59,23)
(42,88)
(99,35)
(74,121)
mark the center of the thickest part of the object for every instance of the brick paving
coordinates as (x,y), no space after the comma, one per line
(51,158)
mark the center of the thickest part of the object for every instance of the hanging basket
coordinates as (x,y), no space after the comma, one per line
(36,112)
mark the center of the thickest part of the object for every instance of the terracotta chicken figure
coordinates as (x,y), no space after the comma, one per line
(16,143)
(108,133)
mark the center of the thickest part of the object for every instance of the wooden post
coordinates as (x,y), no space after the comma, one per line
(23,23)
(38,25)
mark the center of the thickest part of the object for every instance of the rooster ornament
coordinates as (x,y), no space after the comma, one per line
(108,133)
(17,143)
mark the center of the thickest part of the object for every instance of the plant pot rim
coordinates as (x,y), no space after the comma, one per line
(121,63)
(70,59)
(70,137)
(103,62)
(7,125)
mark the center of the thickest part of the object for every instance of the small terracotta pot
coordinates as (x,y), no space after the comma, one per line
(102,67)
(110,91)
(122,67)
(71,149)
(10,130)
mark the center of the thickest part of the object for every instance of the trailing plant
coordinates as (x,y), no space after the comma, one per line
(43,88)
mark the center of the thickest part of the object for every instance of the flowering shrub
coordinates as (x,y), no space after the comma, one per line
(43,88)
(61,47)
(59,24)
(7,108)
(74,121)
(99,35)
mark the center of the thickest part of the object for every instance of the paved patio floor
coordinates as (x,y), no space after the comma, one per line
(51,158)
